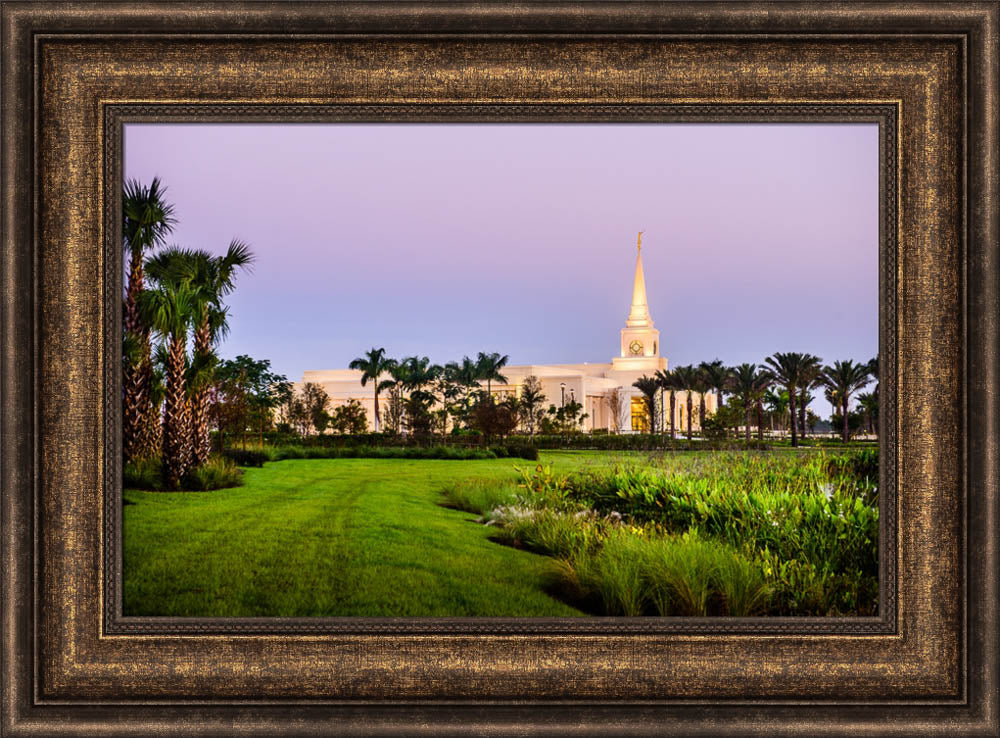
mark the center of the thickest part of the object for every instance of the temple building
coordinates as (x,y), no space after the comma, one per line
(591,384)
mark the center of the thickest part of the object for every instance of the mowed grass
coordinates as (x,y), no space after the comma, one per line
(333,537)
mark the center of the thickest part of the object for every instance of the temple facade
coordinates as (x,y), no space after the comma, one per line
(591,384)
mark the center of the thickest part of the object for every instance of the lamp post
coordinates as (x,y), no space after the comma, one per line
(562,388)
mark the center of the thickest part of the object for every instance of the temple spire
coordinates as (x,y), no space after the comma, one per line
(639,315)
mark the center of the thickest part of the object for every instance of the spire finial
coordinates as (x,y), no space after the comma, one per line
(638,245)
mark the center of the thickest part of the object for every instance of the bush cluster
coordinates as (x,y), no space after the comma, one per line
(734,534)
(219,472)
(256,457)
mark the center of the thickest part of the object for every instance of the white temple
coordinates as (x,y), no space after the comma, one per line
(588,383)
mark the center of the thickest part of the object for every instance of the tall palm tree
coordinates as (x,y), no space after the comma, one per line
(373,365)
(716,376)
(843,379)
(648,386)
(810,380)
(792,370)
(764,381)
(868,402)
(777,406)
(745,384)
(668,383)
(687,378)
(701,386)
(147,218)
(212,279)
(168,309)
(489,366)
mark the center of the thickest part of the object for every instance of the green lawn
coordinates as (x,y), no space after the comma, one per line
(322,537)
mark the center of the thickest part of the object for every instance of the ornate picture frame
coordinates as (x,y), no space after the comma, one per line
(75,74)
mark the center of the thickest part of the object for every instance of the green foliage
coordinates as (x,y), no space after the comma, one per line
(454,453)
(493,419)
(349,418)
(565,419)
(480,495)
(217,473)
(247,457)
(715,426)
(143,474)
(723,533)
(637,572)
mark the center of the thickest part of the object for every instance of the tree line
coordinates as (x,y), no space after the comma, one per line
(415,396)
(752,386)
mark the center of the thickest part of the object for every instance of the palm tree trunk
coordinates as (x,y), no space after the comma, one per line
(137,377)
(376,404)
(690,407)
(201,442)
(672,411)
(843,410)
(760,421)
(748,421)
(791,408)
(176,447)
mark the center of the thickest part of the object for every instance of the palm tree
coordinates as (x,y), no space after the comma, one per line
(701,386)
(489,366)
(648,386)
(764,381)
(687,378)
(716,377)
(212,278)
(168,309)
(792,370)
(532,398)
(668,383)
(373,365)
(147,218)
(810,380)
(777,406)
(843,379)
(744,383)
(868,402)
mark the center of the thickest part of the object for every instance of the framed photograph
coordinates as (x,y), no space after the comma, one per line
(559,368)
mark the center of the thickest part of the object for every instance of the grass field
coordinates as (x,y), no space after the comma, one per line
(791,533)
(321,537)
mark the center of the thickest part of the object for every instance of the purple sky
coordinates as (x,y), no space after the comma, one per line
(445,240)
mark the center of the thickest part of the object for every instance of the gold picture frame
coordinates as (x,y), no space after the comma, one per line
(74,74)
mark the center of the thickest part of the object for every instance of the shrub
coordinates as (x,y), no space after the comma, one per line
(247,457)
(521,450)
(724,533)
(143,474)
(216,473)
(548,531)
(480,496)
(636,572)
(456,453)
(613,580)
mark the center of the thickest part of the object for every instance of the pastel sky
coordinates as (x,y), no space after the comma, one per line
(444,240)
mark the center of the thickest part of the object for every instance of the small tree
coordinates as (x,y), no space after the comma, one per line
(618,408)
(565,419)
(492,418)
(531,401)
(315,399)
(349,418)
(393,416)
